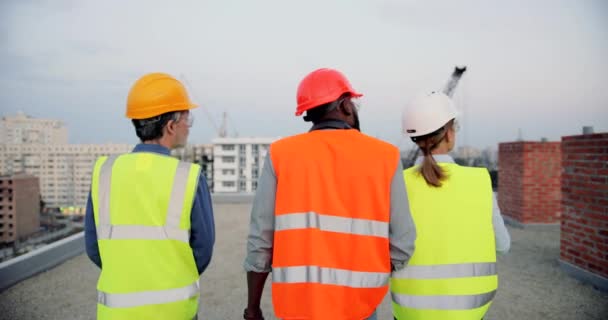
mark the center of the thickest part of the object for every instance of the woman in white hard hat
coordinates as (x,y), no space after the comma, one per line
(452,273)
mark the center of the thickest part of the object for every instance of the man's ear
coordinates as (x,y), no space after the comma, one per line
(170,127)
(344,108)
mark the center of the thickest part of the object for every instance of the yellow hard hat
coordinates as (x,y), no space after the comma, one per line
(155,94)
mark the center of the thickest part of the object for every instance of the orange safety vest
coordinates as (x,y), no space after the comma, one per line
(331,256)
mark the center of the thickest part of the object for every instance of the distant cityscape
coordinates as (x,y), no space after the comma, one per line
(45,181)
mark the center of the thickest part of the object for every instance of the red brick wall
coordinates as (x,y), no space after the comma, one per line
(529,181)
(510,177)
(584,228)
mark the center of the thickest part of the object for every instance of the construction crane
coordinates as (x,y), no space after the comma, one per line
(221,130)
(206,161)
(453,82)
(448,89)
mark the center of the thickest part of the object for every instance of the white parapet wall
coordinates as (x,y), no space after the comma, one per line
(39,260)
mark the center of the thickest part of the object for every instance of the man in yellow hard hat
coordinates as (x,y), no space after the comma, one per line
(149,222)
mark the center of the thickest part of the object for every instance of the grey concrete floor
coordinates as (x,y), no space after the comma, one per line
(532,286)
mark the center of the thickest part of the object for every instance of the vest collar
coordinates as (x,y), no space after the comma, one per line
(153,148)
(330,124)
(444,158)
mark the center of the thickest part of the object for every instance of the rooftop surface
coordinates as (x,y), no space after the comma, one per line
(532,286)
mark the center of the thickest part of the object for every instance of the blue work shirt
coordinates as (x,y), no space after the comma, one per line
(202,233)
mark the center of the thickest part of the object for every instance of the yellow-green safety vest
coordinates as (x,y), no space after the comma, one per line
(142,203)
(452,273)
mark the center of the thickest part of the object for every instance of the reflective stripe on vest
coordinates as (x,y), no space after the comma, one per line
(331,276)
(445,302)
(457,270)
(463,302)
(128,300)
(171,230)
(331,223)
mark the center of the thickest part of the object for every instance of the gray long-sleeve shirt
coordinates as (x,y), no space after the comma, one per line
(502,237)
(402,233)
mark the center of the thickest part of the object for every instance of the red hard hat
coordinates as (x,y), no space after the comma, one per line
(320,87)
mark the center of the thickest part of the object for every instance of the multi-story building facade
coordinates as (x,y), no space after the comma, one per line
(237,163)
(64,170)
(466,152)
(19,207)
(39,147)
(24,129)
(201,154)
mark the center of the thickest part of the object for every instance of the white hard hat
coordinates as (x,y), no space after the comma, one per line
(427,114)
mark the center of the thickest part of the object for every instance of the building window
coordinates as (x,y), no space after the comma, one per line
(10,225)
(227,183)
(10,208)
(228,171)
(254,185)
(228,159)
(10,216)
(227,147)
(10,234)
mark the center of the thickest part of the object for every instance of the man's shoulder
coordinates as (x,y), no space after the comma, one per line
(159,158)
(290,140)
(363,141)
(379,143)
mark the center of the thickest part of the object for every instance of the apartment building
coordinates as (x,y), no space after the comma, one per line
(64,170)
(237,163)
(39,147)
(21,128)
(19,207)
(201,154)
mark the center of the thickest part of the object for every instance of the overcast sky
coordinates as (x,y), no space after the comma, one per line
(536,66)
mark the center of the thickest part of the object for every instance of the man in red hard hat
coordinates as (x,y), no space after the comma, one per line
(330,218)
